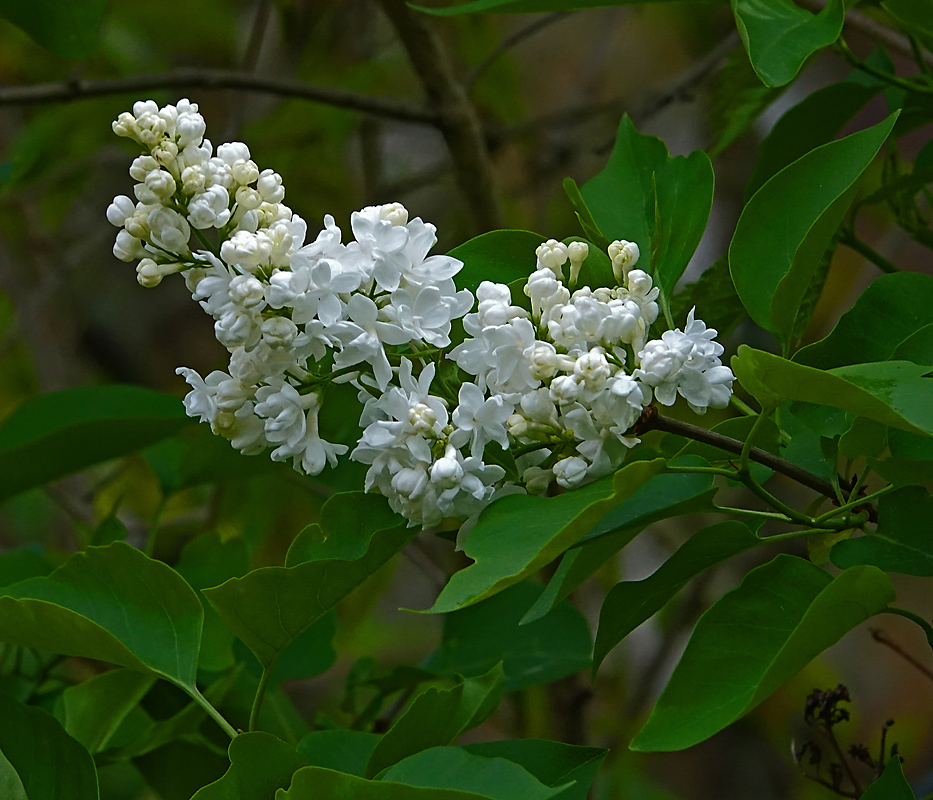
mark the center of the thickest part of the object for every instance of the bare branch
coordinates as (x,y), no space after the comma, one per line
(511,41)
(457,119)
(210,79)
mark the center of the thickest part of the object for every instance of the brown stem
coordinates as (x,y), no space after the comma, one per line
(654,421)
(79,89)
(882,638)
(456,117)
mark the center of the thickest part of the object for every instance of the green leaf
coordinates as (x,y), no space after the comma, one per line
(914,17)
(270,607)
(780,36)
(112,604)
(714,293)
(630,603)
(436,718)
(67,29)
(752,640)
(519,534)
(498,256)
(585,218)
(48,762)
(92,711)
(18,565)
(918,347)
(901,542)
(314,783)
(259,765)
(479,637)
(814,121)
(786,227)
(197,456)
(892,785)
(737,100)
(887,313)
(622,201)
(664,496)
(206,561)
(310,654)
(343,750)
(456,768)
(552,763)
(56,434)
(891,392)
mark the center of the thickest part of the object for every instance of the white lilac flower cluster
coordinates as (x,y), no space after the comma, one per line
(560,385)
(570,377)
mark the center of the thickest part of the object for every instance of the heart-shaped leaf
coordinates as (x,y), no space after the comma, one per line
(112,604)
(497,256)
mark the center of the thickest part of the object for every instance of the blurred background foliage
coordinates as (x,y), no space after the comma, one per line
(549,90)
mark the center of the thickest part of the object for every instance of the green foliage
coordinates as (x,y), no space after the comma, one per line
(891,310)
(660,203)
(270,607)
(525,6)
(498,256)
(436,718)
(891,785)
(779,36)
(46,760)
(259,765)
(753,639)
(63,432)
(630,603)
(549,526)
(66,28)
(551,647)
(790,221)
(899,543)
(112,604)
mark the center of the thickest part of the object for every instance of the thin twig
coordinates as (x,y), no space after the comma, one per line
(675,426)
(510,42)
(882,638)
(456,117)
(210,79)
(680,88)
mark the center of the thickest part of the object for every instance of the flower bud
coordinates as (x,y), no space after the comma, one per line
(248,198)
(553,255)
(279,331)
(246,291)
(148,273)
(624,256)
(245,172)
(577,253)
(570,472)
(564,389)
(121,209)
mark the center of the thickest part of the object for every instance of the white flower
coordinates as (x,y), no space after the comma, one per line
(209,208)
(577,253)
(169,230)
(120,210)
(552,255)
(624,256)
(479,419)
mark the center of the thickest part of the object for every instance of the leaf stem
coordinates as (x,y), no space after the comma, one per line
(887,77)
(212,712)
(852,241)
(925,626)
(749,512)
(260,695)
(778,464)
(859,501)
